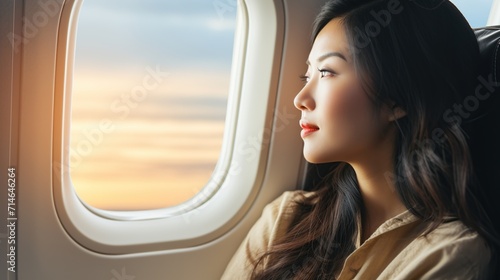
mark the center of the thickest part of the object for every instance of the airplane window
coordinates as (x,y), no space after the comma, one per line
(149,98)
(476,12)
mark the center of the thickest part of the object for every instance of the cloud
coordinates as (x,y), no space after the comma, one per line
(114,34)
(200,108)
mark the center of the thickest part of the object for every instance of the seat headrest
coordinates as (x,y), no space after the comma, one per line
(486,118)
(484,128)
(488,39)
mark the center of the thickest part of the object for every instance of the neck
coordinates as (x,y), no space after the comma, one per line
(380,199)
(378,191)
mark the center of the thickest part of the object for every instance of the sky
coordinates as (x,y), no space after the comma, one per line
(149,100)
(149,97)
(475,11)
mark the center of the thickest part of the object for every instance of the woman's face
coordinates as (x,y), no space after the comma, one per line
(339,120)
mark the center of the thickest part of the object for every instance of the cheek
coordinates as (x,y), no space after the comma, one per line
(349,110)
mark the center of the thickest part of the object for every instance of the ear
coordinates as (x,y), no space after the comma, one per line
(396,113)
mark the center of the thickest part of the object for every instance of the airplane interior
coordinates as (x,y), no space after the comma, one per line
(244,139)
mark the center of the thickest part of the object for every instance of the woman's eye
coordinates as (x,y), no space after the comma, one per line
(322,73)
(325,73)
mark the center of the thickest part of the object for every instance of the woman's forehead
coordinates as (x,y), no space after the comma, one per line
(331,39)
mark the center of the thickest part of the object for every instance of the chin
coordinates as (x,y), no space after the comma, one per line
(317,159)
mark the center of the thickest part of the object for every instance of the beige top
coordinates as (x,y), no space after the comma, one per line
(396,250)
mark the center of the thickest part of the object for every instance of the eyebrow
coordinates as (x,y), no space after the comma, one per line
(327,55)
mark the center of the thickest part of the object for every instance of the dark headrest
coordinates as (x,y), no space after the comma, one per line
(485,119)
(484,127)
(489,43)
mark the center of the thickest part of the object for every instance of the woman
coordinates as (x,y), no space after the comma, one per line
(400,202)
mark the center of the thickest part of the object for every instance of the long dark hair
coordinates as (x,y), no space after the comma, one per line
(421,56)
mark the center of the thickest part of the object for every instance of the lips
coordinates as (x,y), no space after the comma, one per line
(307,129)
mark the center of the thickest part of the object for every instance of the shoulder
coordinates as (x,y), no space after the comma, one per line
(278,215)
(286,203)
(274,222)
(463,244)
(450,251)
(453,236)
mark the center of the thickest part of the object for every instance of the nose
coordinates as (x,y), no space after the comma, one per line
(303,100)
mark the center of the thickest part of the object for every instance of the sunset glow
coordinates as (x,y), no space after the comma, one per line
(158,153)
(148,115)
